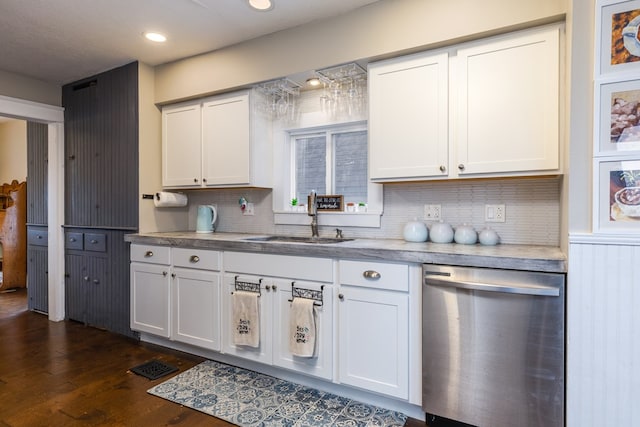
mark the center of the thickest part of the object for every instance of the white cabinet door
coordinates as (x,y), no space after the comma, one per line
(181,146)
(262,353)
(408,110)
(320,365)
(374,340)
(150,298)
(196,307)
(226,141)
(507,116)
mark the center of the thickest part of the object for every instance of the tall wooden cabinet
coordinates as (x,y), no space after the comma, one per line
(101,195)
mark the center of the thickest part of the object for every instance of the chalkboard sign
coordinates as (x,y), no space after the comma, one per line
(330,203)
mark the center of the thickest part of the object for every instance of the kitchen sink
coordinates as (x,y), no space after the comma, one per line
(296,239)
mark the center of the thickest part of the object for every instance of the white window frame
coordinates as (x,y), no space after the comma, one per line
(283,213)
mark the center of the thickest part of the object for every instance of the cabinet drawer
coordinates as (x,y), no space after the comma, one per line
(375,275)
(151,254)
(38,237)
(196,258)
(73,240)
(95,242)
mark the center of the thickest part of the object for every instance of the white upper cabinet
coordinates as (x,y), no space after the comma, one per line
(181,146)
(220,141)
(408,110)
(481,109)
(508,112)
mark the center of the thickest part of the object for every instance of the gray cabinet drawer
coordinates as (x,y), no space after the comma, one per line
(95,242)
(38,237)
(73,240)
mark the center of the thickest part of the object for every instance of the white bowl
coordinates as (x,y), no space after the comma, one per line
(628,200)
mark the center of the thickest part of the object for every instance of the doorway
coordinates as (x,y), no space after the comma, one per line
(53,116)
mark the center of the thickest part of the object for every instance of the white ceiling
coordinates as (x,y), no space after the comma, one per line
(61,41)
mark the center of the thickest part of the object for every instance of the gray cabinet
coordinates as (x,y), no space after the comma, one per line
(37,234)
(96,285)
(37,269)
(101,195)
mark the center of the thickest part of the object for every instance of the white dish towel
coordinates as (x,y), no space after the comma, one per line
(303,328)
(246,318)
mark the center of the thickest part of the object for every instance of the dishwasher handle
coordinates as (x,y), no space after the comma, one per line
(538,290)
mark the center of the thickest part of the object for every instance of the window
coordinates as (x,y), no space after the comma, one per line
(330,161)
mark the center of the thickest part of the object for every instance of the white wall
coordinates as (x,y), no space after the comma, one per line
(13,151)
(384,28)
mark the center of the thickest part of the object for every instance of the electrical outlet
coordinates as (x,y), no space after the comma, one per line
(495,213)
(432,212)
(248,210)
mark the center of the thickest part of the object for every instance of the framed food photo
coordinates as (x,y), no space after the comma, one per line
(618,203)
(619,116)
(617,24)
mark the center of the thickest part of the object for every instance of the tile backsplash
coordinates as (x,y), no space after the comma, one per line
(532,208)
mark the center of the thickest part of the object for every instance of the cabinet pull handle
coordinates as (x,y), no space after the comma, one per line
(148,254)
(164,273)
(194,258)
(340,297)
(461,166)
(443,168)
(371,275)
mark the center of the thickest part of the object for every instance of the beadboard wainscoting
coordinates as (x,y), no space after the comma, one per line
(603,331)
(532,209)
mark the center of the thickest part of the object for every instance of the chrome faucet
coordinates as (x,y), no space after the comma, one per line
(312,211)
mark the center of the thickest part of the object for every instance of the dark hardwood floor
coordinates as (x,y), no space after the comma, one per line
(67,374)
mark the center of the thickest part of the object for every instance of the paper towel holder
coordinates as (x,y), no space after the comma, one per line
(147,196)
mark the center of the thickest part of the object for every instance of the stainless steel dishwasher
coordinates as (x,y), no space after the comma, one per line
(493,347)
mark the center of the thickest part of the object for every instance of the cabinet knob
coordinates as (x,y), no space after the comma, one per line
(94,241)
(268,287)
(148,254)
(371,275)
(274,287)
(96,281)
(443,168)
(86,278)
(195,179)
(173,275)
(194,258)
(164,273)
(340,297)
(39,236)
(204,179)
(461,166)
(72,157)
(72,239)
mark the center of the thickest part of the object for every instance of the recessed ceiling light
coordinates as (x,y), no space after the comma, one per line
(155,37)
(263,5)
(313,81)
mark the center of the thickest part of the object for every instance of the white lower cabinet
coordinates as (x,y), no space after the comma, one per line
(175,293)
(373,327)
(275,308)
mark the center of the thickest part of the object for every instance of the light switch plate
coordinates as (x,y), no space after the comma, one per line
(248,210)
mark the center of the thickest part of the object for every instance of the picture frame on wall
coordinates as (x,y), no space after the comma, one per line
(618,121)
(618,198)
(617,25)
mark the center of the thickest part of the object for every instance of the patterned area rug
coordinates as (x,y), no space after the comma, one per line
(248,398)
